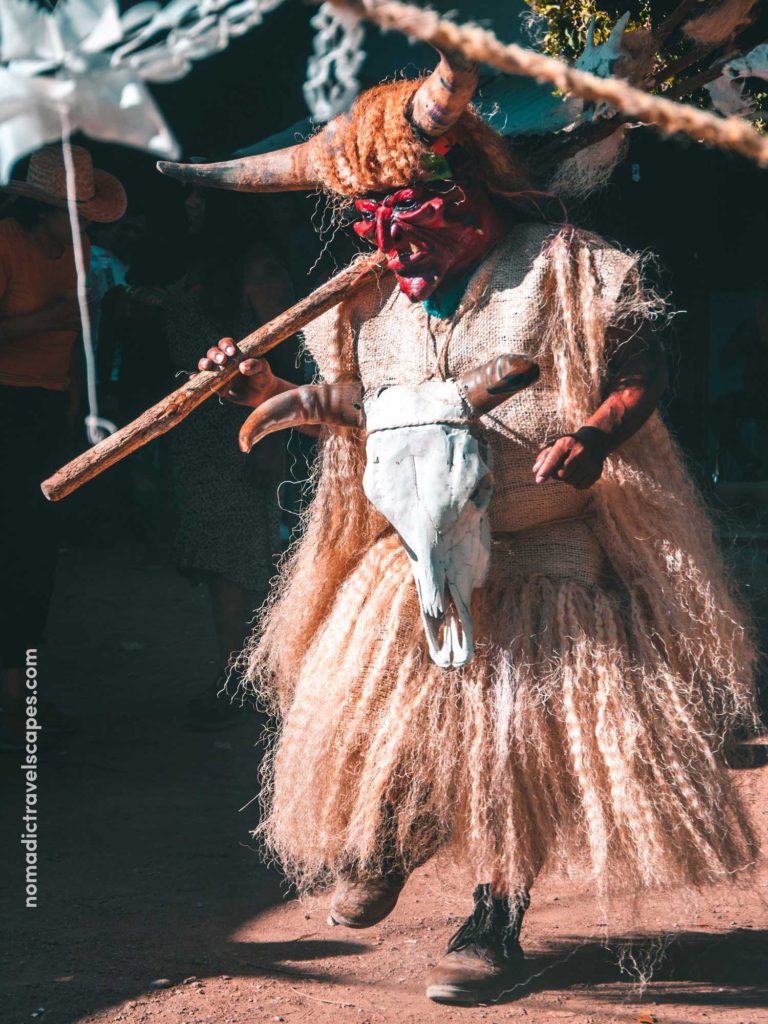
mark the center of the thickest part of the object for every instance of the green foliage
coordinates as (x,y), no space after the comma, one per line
(562,32)
(565,24)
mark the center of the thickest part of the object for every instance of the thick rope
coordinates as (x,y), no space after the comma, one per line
(481,45)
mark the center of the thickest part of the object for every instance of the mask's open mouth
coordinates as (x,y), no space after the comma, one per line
(449,634)
(407,262)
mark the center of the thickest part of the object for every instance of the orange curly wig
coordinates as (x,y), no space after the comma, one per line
(373,148)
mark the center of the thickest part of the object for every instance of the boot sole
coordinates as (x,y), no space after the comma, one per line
(454,996)
(369,922)
(478,991)
(334,918)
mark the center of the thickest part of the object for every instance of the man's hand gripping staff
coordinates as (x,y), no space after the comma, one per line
(637,378)
(174,408)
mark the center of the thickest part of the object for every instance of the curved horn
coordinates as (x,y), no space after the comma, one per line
(442,98)
(494,382)
(286,170)
(312,404)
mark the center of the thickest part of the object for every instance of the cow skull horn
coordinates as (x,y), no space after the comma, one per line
(285,170)
(494,382)
(442,98)
(311,405)
(436,106)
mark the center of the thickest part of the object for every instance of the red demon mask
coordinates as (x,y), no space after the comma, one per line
(430,233)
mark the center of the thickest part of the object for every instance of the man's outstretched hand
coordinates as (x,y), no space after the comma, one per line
(569,460)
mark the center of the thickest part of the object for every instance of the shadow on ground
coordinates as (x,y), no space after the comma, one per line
(697,968)
(147,870)
(146,865)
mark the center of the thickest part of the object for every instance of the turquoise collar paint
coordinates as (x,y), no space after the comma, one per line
(446,301)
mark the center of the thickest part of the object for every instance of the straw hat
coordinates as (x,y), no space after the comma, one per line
(99,195)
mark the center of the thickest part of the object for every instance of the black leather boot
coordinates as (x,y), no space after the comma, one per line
(484,957)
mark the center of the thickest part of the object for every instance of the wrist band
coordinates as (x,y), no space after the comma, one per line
(597,441)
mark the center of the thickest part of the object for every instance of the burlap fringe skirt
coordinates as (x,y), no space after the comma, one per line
(574,741)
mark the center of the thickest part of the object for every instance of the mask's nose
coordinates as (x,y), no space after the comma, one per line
(387,231)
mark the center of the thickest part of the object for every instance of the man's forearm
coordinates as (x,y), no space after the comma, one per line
(627,407)
(637,379)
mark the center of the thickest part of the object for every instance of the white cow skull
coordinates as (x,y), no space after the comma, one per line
(426,472)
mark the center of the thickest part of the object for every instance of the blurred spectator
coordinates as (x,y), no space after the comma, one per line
(39,324)
(107,271)
(228,516)
(133,357)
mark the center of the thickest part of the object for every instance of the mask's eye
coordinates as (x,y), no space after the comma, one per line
(404,205)
(403,199)
(366,209)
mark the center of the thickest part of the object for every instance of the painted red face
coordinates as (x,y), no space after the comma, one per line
(429,233)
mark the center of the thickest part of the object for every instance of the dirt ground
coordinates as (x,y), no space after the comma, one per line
(154,907)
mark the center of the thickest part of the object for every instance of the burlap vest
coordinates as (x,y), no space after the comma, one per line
(387,339)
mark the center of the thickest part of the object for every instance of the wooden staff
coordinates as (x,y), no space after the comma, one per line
(170,411)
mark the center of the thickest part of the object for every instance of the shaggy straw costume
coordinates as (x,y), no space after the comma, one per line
(612,660)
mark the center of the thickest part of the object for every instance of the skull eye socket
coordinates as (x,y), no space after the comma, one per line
(479,495)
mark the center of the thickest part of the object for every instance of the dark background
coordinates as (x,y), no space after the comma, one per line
(703,212)
(147,869)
